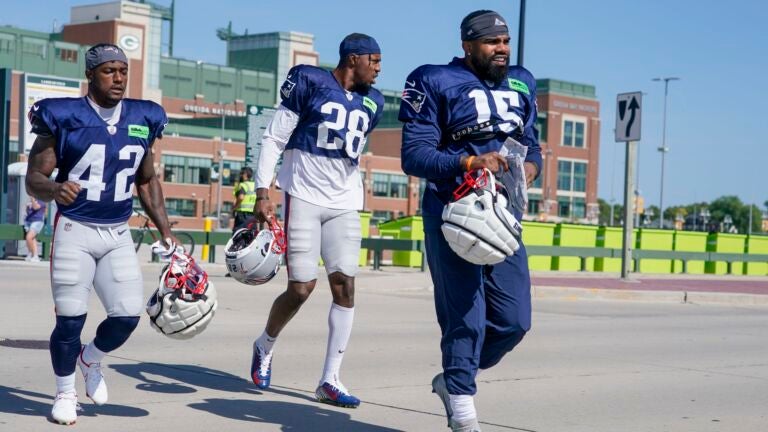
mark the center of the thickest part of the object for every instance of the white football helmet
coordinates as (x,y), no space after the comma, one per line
(254,258)
(478,226)
(185,301)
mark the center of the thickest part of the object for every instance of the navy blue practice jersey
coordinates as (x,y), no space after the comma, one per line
(448,108)
(103,159)
(333,122)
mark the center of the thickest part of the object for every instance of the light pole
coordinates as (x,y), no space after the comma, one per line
(663,149)
(521,34)
(221,165)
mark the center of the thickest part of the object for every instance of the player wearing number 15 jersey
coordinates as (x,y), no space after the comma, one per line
(101,145)
(320,129)
(456,119)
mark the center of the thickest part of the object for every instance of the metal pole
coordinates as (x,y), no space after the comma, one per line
(749,228)
(221,167)
(626,242)
(521,34)
(663,151)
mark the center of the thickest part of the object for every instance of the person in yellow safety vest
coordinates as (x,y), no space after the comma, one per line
(245,199)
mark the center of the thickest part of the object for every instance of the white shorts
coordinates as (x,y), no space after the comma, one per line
(312,232)
(100,256)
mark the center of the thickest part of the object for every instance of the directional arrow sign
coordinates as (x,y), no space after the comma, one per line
(628,107)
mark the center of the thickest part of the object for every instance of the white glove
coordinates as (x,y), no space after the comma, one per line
(165,252)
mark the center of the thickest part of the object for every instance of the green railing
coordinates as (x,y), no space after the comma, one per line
(10,232)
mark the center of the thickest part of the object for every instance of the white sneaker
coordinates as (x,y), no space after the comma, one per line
(95,387)
(65,408)
(34,259)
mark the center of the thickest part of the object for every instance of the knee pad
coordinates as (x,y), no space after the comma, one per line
(65,343)
(114,331)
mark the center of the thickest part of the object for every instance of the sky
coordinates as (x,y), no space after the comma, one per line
(715,112)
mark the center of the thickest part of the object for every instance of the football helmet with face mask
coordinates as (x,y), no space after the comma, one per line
(184,303)
(254,258)
(477,223)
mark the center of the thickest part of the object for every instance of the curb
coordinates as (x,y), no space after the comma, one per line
(691,297)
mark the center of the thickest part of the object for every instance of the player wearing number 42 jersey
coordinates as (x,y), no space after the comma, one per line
(101,145)
(320,129)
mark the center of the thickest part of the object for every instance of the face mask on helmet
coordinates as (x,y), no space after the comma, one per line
(254,258)
(477,224)
(185,300)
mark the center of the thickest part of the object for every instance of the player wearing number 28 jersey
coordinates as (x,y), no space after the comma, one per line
(101,145)
(320,129)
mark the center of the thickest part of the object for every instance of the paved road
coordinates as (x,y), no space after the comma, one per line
(586,365)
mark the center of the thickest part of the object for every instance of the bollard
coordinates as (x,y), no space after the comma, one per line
(207,225)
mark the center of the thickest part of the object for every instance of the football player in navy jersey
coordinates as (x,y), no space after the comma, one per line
(320,129)
(456,119)
(102,146)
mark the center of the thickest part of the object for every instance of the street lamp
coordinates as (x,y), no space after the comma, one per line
(663,149)
(221,154)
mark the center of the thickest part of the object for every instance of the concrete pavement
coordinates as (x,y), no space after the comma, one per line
(585,366)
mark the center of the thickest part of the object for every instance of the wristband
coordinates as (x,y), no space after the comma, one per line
(469,162)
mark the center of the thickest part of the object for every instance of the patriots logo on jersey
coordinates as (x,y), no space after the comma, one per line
(414,98)
(287,88)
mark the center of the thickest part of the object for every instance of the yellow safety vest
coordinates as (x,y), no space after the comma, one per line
(249,189)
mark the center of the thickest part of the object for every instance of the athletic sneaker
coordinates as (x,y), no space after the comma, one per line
(333,395)
(440,389)
(34,259)
(65,408)
(95,387)
(261,367)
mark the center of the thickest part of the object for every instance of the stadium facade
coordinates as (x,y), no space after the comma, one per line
(207,106)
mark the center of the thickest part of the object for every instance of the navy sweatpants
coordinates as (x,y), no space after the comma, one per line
(483,311)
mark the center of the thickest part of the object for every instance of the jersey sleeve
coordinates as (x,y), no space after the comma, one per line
(419,111)
(530,134)
(159,121)
(43,122)
(296,89)
(378,99)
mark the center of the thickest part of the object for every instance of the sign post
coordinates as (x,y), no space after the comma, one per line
(628,121)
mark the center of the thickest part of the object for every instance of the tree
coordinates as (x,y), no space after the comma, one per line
(605,213)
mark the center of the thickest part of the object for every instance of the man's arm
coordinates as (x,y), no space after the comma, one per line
(40,166)
(273,144)
(151,196)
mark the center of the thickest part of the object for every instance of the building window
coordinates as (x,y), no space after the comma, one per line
(380,216)
(534,204)
(180,207)
(185,169)
(390,185)
(571,176)
(66,55)
(573,134)
(7,45)
(33,49)
(231,172)
(571,207)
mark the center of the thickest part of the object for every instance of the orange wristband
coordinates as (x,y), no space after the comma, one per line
(469,162)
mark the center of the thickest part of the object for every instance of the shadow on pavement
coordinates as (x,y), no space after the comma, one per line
(23,402)
(196,376)
(292,417)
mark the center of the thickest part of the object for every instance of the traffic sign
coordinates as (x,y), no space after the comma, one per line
(628,108)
